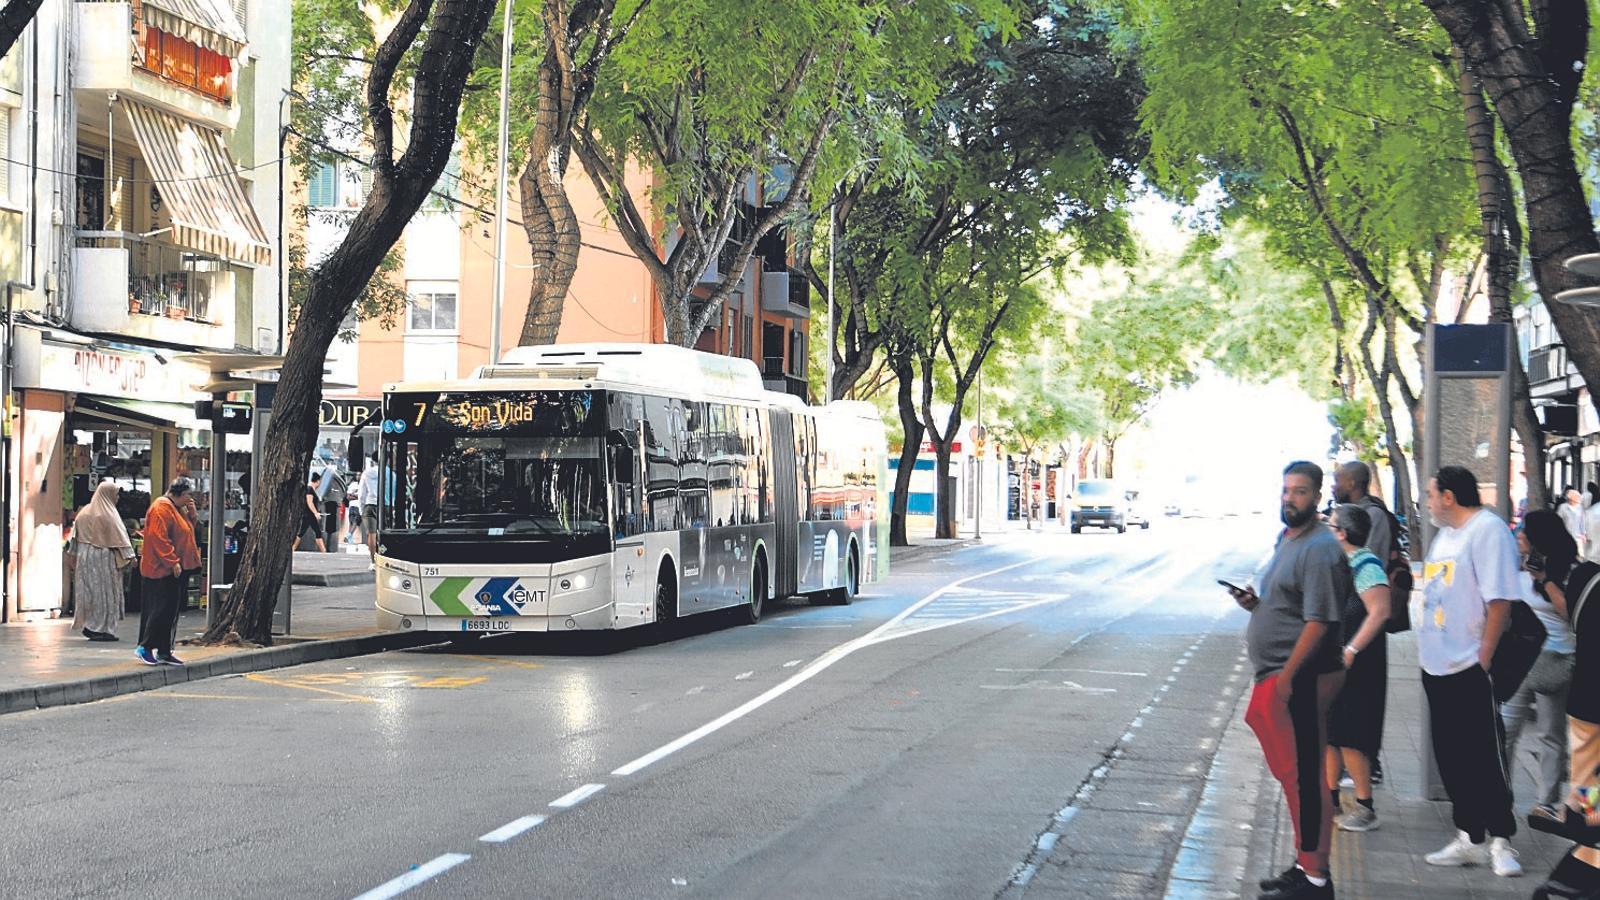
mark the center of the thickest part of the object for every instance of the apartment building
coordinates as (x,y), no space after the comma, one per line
(139,227)
(448,253)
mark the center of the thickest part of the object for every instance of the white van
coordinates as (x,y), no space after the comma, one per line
(1103,503)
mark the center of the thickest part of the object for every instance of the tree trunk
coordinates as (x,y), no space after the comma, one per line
(548,220)
(1502,248)
(911,423)
(1085,452)
(399,187)
(1532,86)
(944,498)
(1110,445)
(1379,379)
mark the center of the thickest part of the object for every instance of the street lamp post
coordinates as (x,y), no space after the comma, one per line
(500,187)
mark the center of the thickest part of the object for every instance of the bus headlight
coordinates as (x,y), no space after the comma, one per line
(577,581)
(401,583)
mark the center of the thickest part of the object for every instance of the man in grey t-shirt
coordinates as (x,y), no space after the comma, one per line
(1293,642)
(1352,483)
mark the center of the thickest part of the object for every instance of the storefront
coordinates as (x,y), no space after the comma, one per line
(338,420)
(87,412)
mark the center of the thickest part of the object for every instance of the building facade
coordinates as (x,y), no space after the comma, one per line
(139,230)
(448,253)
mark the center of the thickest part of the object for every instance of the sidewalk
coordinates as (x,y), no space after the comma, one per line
(47,663)
(1385,864)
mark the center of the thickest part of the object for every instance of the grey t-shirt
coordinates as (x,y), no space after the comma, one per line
(1307,580)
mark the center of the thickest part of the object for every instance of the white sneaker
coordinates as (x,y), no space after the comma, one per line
(1460,852)
(1503,858)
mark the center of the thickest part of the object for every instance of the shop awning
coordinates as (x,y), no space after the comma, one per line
(152,414)
(200,185)
(209,23)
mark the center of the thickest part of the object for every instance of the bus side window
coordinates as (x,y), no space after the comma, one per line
(661,464)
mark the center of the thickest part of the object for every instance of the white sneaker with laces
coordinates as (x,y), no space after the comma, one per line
(1503,858)
(1460,852)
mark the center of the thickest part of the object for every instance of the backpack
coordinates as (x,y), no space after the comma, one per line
(1398,569)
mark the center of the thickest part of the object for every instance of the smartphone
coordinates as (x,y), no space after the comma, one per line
(1232,587)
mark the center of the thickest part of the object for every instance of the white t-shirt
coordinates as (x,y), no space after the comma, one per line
(1572,517)
(1466,568)
(369,485)
(1591,526)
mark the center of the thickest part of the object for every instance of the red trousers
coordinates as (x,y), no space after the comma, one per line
(1294,737)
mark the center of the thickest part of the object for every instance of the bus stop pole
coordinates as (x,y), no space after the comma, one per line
(215,534)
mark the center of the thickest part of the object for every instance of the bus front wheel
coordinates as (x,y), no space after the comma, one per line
(758,591)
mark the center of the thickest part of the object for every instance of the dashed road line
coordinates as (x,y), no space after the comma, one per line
(792,663)
(513,828)
(397,886)
(576,796)
(743,676)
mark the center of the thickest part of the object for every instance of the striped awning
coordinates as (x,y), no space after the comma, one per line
(200,185)
(209,23)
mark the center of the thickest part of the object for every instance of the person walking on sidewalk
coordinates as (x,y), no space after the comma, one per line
(169,549)
(1293,642)
(1548,554)
(101,549)
(1471,575)
(1357,715)
(369,508)
(1572,515)
(312,521)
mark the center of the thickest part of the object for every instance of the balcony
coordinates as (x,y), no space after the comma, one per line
(1550,374)
(786,293)
(131,285)
(776,379)
(119,49)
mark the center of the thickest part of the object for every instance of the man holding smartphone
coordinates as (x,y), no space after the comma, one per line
(1293,642)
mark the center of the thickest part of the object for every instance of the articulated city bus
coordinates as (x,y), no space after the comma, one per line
(607,486)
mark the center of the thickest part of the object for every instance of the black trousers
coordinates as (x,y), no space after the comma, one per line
(158,614)
(1469,746)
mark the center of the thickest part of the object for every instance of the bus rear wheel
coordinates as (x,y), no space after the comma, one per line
(666,597)
(841,596)
(758,592)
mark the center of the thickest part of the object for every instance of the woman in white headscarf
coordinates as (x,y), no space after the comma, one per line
(101,548)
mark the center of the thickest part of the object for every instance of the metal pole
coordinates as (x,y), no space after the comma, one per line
(500,187)
(977,522)
(827,345)
(215,537)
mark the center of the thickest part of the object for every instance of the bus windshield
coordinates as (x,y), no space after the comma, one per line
(528,465)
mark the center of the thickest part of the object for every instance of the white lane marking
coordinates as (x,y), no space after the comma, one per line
(511,829)
(694,690)
(577,796)
(1047,686)
(742,676)
(817,665)
(397,886)
(792,663)
(1084,671)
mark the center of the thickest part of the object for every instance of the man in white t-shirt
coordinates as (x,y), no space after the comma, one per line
(1571,513)
(1472,574)
(1591,524)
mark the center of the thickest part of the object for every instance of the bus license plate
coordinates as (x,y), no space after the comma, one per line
(485,625)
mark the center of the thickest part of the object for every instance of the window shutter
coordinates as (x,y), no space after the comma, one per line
(5,153)
(241,14)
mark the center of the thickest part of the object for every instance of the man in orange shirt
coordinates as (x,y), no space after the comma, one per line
(169,550)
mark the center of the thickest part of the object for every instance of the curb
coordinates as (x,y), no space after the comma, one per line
(332,579)
(899,555)
(66,693)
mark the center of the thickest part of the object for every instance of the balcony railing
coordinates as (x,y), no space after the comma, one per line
(162,279)
(1547,364)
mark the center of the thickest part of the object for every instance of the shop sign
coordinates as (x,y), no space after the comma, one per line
(114,373)
(955,448)
(344,413)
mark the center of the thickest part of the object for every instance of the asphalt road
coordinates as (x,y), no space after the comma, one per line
(934,739)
